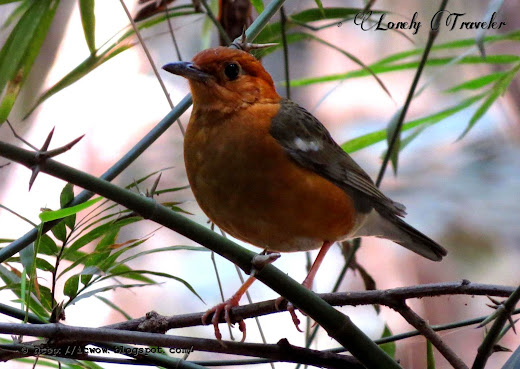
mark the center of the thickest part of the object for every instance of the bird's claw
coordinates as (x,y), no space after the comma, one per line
(291,309)
(216,310)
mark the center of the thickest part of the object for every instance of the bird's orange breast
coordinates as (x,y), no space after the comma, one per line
(246,183)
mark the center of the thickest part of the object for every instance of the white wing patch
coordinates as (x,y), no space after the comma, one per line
(307,145)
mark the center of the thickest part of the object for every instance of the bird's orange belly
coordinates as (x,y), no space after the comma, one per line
(250,188)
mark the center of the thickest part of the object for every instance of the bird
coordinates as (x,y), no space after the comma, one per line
(267,172)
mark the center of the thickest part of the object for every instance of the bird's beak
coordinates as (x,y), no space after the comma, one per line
(187,70)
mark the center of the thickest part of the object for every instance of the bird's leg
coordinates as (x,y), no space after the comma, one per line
(259,261)
(307,283)
(227,306)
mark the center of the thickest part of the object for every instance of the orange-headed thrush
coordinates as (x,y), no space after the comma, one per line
(267,172)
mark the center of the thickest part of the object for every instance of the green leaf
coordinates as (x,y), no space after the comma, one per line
(162,249)
(389,347)
(88,19)
(258,5)
(29,34)
(14,283)
(27,257)
(391,130)
(430,359)
(71,286)
(477,83)
(158,274)
(47,246)
(378,136)
(48,216)
(15,47)
(107,288)
(59,231)
(115,307)
(386,68)
(498,89)
(67,194)
(320,6)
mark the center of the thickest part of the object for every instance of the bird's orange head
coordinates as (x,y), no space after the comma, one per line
(224,79)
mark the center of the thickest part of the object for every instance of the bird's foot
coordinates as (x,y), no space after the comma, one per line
(291,309)
(216,310)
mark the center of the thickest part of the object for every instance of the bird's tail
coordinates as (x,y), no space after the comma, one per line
(394,228)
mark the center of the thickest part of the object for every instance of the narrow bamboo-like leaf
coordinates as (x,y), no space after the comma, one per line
(430,359)
(391,130)
(457,44)
(378,68)
(107,288)
(477,83)
(115,307)
(389,347)
(162,249)
(157,274)
(48,216)
(33,49)
(97,232)
(14,282)
(378,136)
(71,286)
(15,14)
(19,39)
(2,2)
(320,6)
(88,19)
(498,89)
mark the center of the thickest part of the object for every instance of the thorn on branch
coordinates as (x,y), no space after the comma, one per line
(43,153)
(242,44)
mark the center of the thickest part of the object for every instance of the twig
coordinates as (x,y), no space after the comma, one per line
(172,34)
(283,21)
(420,324)
(486,348)
(397,132)
(381,297)
(150,60)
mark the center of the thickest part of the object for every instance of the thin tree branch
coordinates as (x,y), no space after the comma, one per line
(423,327)
(150,60)
(397,131)
(64,337)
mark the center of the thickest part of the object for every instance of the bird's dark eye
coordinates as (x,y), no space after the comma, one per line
(232,71)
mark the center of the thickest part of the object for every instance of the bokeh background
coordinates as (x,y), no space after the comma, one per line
(464,194)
